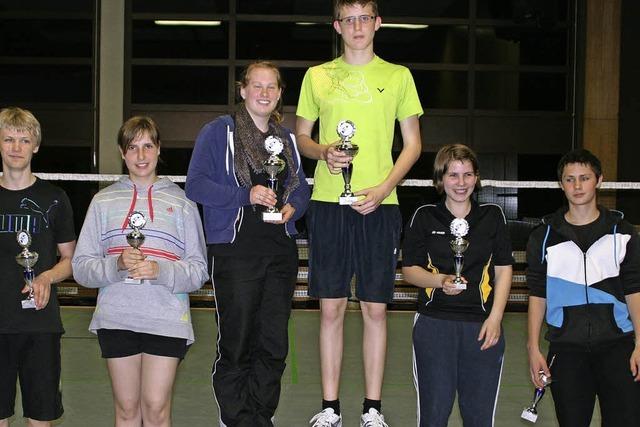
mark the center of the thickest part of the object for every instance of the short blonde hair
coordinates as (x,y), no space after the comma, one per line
(17,119)
(448,154)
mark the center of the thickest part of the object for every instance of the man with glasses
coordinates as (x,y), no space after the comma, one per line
(363,238)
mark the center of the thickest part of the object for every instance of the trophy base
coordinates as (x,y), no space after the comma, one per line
(271,216)
(528,415)
(461,286)
(348,200)
(28,303)
(132,281)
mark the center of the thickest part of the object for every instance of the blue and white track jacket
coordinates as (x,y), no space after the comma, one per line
(585,289)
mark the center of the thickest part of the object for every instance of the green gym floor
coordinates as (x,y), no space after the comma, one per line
(87,393)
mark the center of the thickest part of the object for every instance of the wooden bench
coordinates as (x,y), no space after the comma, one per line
(405,295)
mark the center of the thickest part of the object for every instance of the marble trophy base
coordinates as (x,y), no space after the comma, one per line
(271,216)
(28,303)
(347,200)
(529,415)
(460,285)
(132,281)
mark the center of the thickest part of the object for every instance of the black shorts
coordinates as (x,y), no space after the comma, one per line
(116,343)
(35,360)
(343,242)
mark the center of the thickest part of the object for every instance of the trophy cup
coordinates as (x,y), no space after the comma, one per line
(27,260)
(459,228)
(273,166)
(346,129)
(530,413)
(135,239)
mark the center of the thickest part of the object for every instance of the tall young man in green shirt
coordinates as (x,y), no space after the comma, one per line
(361,239)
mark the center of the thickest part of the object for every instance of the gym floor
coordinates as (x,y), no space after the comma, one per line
(87,392)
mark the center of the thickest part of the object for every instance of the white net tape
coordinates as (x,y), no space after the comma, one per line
(404,183)
(400,295)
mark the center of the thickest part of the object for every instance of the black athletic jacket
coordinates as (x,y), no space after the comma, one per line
(426,244)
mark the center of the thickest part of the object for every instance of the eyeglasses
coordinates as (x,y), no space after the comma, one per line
(363,19)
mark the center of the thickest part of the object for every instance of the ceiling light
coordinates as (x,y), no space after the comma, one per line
(173,22)
(406,26)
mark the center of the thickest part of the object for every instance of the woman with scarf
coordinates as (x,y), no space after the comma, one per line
(254,263)
(142,314)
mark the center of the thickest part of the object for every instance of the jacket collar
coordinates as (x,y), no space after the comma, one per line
(606,221)
(445,216)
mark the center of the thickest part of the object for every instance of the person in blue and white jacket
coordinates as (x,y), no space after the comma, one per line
(254,263)
(584,270)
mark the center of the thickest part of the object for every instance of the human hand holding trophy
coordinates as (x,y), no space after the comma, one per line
(27,260)
(135,238)
(346,130)
(459,228)
(530,413)
(273,166)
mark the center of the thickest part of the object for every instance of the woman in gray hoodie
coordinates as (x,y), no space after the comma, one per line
(142,316)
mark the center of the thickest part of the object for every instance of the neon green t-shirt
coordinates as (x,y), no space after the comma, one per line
(372,96)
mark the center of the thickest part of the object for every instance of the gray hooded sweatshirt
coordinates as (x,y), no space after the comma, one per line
(173,238)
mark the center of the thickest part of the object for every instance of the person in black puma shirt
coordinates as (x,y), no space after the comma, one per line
(30,338)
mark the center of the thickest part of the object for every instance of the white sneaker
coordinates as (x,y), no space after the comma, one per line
(326,418)
(372,418)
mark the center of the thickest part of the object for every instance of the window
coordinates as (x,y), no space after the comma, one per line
(47,65)
(496,75)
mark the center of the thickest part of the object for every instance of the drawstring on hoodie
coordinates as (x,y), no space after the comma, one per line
(132,206)
(615,244)
(544,244)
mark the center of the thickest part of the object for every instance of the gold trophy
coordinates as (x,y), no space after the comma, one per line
(346,130)
(135,239)
(273,166)
(27,260)
(459,228)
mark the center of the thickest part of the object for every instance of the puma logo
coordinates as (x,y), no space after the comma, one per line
(380,90)
(32,206)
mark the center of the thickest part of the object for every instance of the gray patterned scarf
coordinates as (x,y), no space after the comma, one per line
(250,151)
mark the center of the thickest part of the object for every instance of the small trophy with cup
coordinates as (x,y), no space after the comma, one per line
(459,228)
(273,166)
(27,260)
(346,130)
(135,239)
(530,413)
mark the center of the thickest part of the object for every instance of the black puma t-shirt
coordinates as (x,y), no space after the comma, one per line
(45,212)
